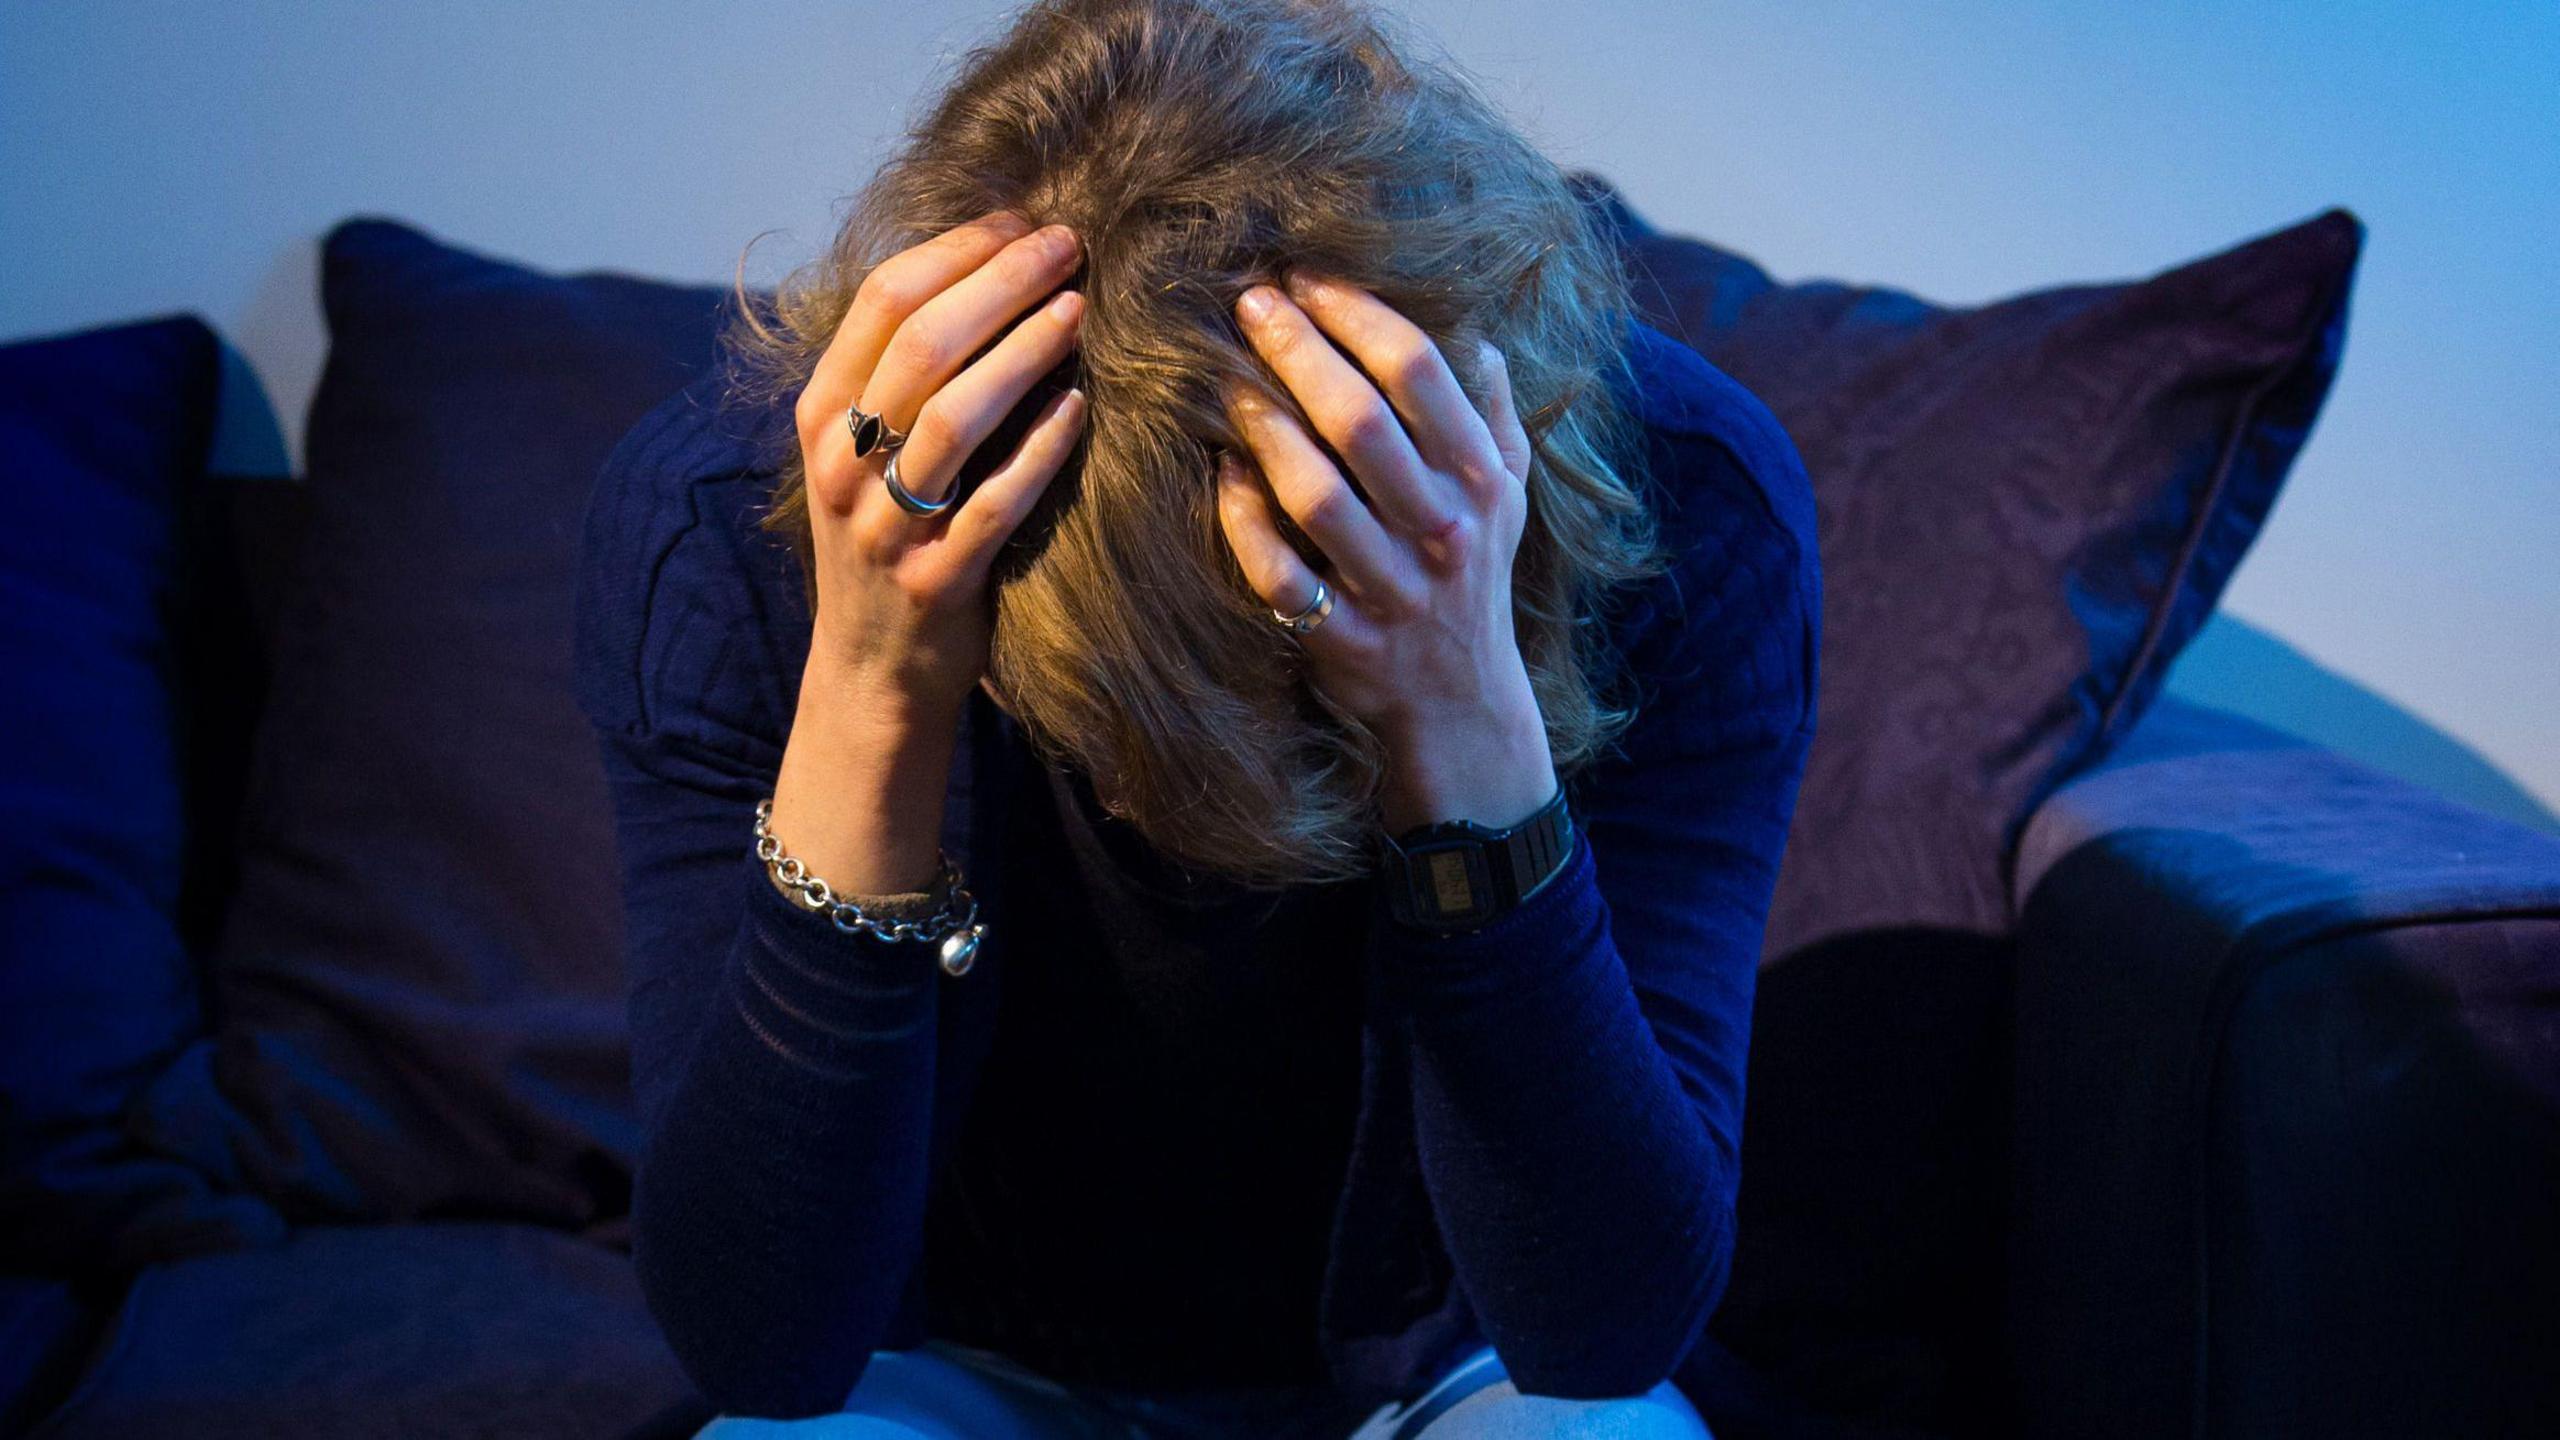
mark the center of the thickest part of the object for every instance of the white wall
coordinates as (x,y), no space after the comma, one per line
(157,157)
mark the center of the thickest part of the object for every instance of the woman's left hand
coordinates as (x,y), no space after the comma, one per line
(1420,643)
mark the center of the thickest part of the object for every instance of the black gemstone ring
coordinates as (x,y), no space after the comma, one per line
(871,432)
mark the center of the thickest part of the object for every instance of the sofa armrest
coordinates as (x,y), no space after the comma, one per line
(2287,1099)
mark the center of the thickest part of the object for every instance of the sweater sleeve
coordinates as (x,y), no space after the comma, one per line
(785,1071)
(1578,1064)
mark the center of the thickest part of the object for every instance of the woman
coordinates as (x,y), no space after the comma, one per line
(1202,727)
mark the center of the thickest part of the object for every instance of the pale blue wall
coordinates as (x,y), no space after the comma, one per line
(157,157)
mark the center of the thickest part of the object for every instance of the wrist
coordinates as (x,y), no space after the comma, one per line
(1452,879)
(1490,764)
(875,701)
(860,791)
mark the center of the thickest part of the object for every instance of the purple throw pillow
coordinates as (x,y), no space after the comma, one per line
(2026,509)
(418,988)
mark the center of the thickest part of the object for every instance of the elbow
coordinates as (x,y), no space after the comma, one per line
(755,1345)
(1650,1331)
(765,1390)
(746,1369)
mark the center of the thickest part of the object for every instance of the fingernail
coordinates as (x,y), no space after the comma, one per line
(1257,302)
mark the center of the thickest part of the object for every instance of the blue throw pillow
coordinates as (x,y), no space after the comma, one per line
(418,991)
(103,437)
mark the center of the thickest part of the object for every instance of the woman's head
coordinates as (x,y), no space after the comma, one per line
(1197,147)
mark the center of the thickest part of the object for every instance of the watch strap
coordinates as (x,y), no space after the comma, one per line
(1457,875)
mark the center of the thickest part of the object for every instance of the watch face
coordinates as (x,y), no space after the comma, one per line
(1455,881)
(1451,893)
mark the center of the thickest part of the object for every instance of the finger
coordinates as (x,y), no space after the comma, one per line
(1368,562)
(1270,565)
(1503,411)
(1408,366)
(943,334)
(1347,410)
(957,418)
(896,288)
(1005,498)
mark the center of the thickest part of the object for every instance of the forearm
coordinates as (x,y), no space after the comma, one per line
(1584,1193)
(780,1202)
(859,794)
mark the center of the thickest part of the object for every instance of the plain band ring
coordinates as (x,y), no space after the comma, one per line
(907,499)
(1311,617)
(871,432)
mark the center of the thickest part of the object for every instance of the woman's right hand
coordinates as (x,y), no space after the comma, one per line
(903,613)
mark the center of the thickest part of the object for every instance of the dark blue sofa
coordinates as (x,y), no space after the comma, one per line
(2236,1114)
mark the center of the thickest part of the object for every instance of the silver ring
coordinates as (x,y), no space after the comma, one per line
(907,499)
(871,432)
(1311,617)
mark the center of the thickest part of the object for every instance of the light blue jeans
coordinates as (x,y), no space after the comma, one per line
(947,1391)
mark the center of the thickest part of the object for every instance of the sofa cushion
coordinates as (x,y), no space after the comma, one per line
(2027,508)
(2288,1100)
(48,1330)
(443,1328)
(104,436)
(419,985)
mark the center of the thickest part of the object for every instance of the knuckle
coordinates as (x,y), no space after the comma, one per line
(1367,426)
(1447,530)
(1328,510)
(892,290)
(1284,344)
(1247,415)
(1411,363)
(917,351)
(978,527)
(921,586)
(810,415)
(874,545)
(1033,258)
(827,487)
(934,432)
(1484,474)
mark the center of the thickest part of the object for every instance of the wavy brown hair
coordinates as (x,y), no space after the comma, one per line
(1196,147)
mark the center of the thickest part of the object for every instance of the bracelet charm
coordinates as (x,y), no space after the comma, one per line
(954,924)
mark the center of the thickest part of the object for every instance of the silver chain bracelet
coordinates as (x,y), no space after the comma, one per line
(959,936)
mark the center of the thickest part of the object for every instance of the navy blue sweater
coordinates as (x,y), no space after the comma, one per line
(1543,1145)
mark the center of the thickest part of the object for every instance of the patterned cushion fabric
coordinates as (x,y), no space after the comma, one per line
(2027,508)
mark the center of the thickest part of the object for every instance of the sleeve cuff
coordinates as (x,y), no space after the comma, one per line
(897,905)
(1545,933)
(818,991)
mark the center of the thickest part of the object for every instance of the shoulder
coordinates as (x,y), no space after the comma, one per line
(1734,626)
(685,602)
(1685,402)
